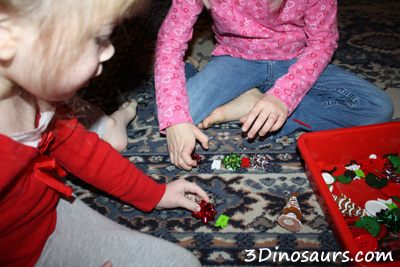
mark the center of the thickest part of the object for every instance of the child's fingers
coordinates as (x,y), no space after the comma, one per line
(193,188)
(279,123)
(261,125)
(187,162)
(188,204)
(202,138)
(268,124)
(192,197)
(248,120)
(182,158)
(253,121)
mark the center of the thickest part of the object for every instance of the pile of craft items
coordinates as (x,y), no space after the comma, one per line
(375,222)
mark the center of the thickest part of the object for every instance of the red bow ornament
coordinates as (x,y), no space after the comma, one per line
(207,212)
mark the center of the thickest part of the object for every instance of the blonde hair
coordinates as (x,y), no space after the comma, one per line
(49,13)
(64,24)
(274,5)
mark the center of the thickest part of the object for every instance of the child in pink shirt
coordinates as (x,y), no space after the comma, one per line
(270,64)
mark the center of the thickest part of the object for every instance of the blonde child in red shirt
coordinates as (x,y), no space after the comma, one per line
(48,50)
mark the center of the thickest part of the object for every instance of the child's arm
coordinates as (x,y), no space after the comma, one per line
(322,36)
(170,82)
(83,154)
(169,74)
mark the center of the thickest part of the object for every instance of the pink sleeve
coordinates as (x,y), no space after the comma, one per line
(321,30)
(169,72)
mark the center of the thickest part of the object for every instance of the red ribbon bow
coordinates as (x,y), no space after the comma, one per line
(46,169)
(207,212)
(246,162)
(196,157)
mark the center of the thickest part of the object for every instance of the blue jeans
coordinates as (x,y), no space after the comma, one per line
(338,99)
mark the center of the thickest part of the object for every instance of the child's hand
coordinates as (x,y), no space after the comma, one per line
(181,140)
(267,114)
(175,196)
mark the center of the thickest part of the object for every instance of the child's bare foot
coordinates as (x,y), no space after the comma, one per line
(233,110)
(115,132)
(193,61)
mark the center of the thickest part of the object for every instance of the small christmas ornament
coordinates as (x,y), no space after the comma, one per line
(207,212)
(246,162)
(346,206)
(232,161)
(290,219)
(260,162)
(196,157)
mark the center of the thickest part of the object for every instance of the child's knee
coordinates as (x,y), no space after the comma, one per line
(383,108)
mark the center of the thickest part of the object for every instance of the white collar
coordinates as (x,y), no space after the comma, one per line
(33,138)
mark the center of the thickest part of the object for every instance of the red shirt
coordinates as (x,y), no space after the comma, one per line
(29,193)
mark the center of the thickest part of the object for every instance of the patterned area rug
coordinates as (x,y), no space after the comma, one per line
(253,199)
